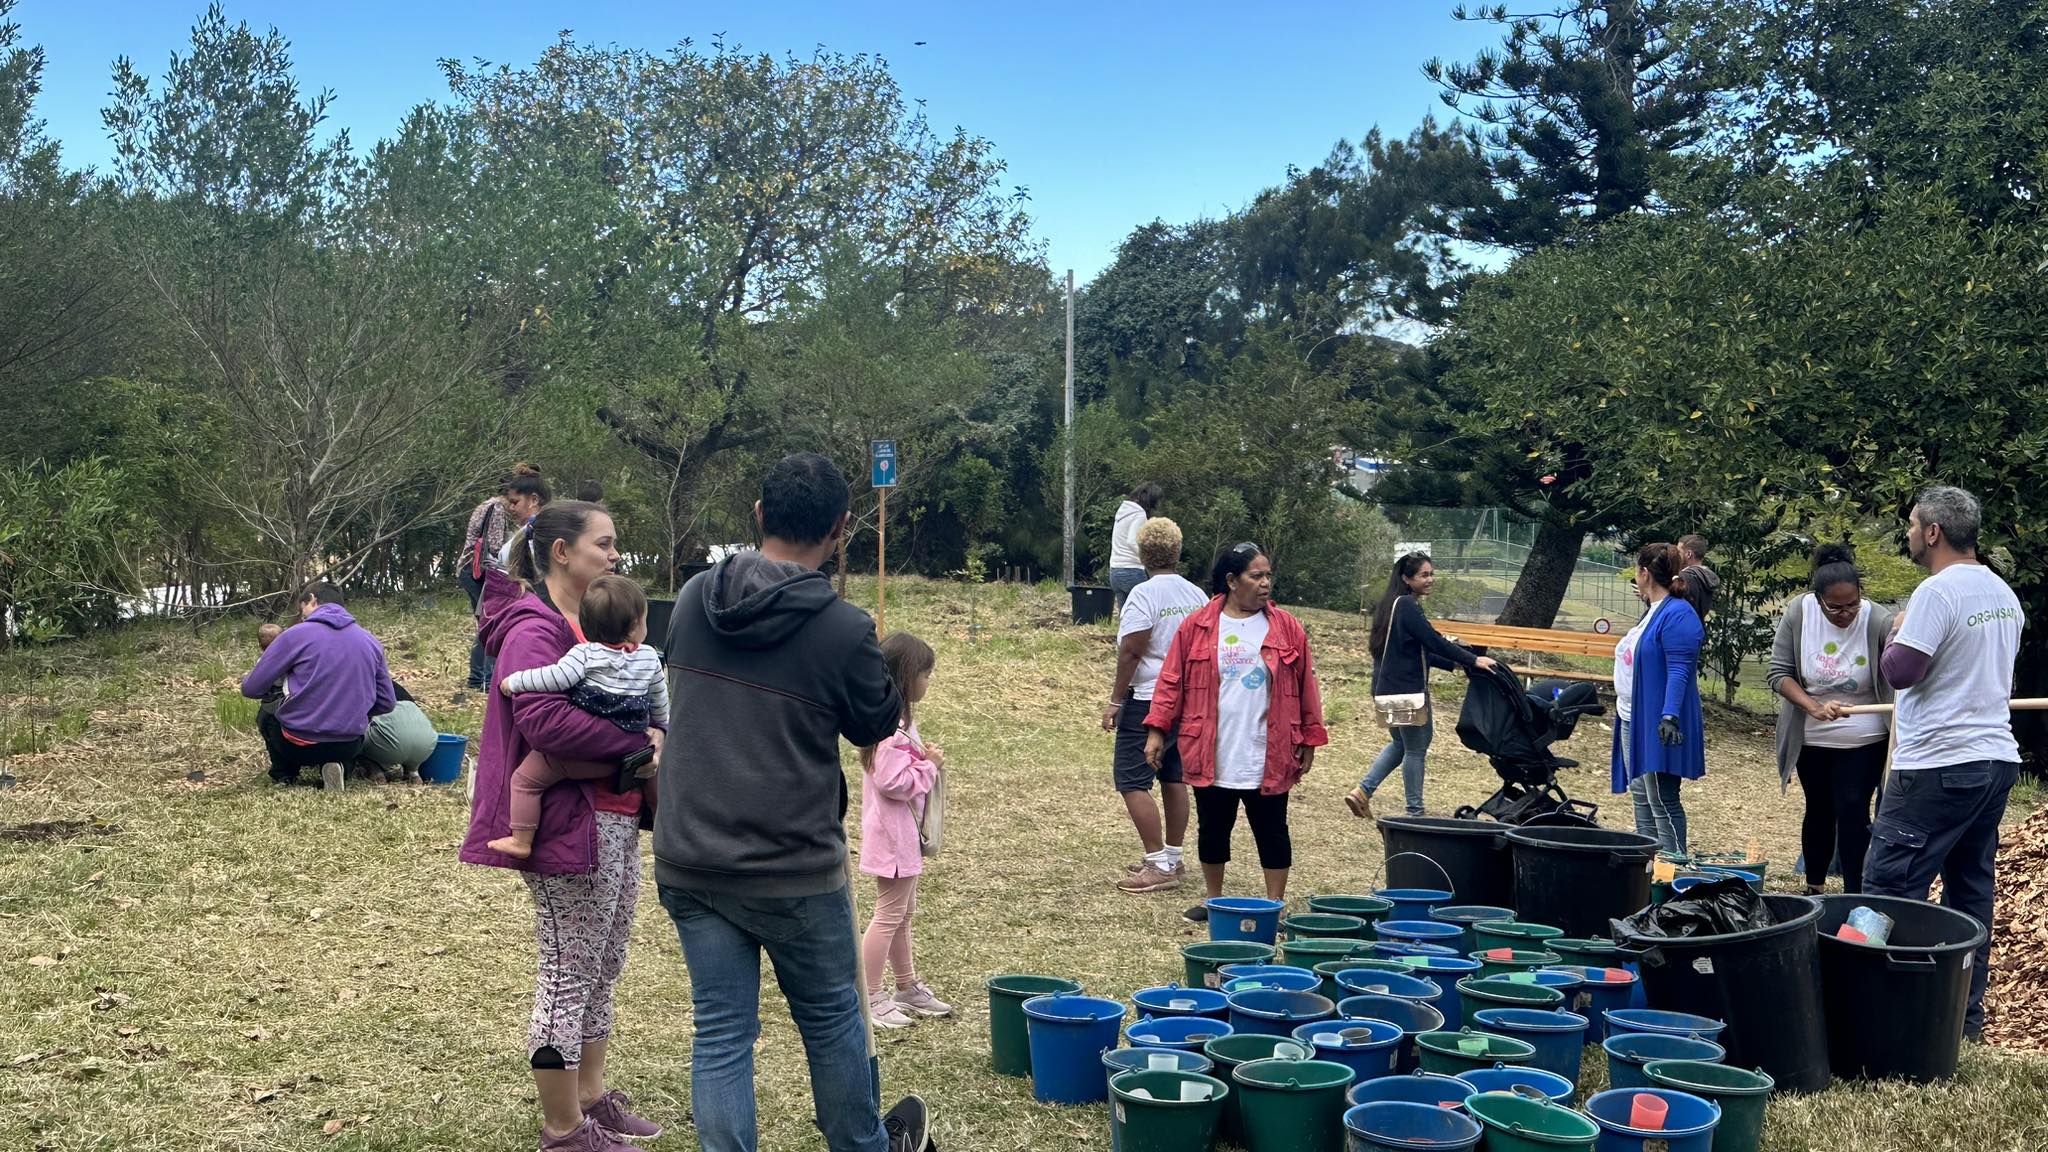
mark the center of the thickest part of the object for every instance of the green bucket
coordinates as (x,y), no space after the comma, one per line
(1478,993)
(1468,1050)
(1201,961)
(1009,1042)
(1517,960)
(1323,926)
(1366,908)
(1586,953)
(1228,1052)
(1517,1123)
(1740,1094)
(1512,934)
(1164,1111)
(1308,952)
(1293,1105)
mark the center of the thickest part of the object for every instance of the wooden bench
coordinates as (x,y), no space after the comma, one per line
(1489,636)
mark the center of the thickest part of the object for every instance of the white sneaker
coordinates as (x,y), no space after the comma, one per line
(919,1001)
(884,1012)
(332,778)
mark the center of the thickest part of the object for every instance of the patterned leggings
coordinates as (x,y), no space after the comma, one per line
(583,924)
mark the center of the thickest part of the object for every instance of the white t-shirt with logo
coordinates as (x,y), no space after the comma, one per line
(1123,539)
(1244,689)
(1836,664)
(1161,604)
(1968,622)
(1625,667)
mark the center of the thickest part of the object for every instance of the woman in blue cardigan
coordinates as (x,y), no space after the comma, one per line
(1659,743)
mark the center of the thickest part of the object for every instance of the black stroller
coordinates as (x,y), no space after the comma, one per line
(1514,729)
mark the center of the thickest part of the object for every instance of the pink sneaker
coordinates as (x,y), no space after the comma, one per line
(588,1137)
(613,1113)
(919,1001)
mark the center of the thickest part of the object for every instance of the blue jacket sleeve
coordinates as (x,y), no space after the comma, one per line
(1682,639)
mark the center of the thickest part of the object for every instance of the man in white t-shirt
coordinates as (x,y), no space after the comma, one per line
(1950,656)
(1126,567)
(1152,614)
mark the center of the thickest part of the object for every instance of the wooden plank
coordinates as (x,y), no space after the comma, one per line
(2024,704)
(1561,674)
(1528,639)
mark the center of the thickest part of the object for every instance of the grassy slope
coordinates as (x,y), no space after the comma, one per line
(237,968)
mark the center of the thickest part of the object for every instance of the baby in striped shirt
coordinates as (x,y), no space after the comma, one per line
(612,673)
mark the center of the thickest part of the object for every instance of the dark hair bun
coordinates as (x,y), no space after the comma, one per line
(1828,554)
(524,469)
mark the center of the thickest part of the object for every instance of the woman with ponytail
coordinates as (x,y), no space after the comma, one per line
(519,498)
(1823,662)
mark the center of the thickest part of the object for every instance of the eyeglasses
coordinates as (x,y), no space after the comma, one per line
(1840,609)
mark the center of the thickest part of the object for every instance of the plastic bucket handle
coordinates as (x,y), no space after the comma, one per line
(1440,870)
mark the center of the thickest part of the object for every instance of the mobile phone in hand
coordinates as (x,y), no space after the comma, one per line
(629,770)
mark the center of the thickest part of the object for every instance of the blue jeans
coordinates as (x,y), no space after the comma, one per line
(1659,813)
(1122,580)
(481,663)
(1408,749)
(1944,822)
(810,941)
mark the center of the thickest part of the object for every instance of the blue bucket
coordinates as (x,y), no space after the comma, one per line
(1627,1052)
(1372,982)
(1419,932)
(1446,971)
(1184,1033)
(1663,1023)
(1068,1036)
(1412,903)
(1118,1060)
(1284,981)
(1688,1121)
(1229,972)
(444,764)
(1596,994)
(1507,1078)
(1753,879)
(1273,1012)
(1371,1056)
(1553,977)
(1400,949)
(1412,1017)
(1559,1037)
(1465,916)
(1174,1000)
(1243,918)
(1427,1088)
(1398,1126)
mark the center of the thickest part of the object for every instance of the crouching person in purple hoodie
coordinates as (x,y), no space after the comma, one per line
(334,679)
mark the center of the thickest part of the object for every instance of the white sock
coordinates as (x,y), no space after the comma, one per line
(1167,859)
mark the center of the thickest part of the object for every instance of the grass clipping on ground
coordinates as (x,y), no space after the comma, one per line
(212,963)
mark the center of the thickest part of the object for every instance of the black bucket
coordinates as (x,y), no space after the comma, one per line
(1578,879)
(1472,853)
(1091,603)
(1897,1010)
(1764,984)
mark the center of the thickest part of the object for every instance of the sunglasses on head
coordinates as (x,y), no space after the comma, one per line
(1247,546)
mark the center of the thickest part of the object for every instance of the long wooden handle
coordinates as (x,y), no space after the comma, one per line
(2030,704)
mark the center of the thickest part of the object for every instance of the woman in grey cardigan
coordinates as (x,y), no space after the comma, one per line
(1823,661)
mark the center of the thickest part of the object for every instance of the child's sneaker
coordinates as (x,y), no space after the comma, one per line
(918,1000)
(884,1012)
(613,1113)
(588,1136)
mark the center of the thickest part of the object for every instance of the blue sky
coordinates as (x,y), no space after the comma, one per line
(1112,113)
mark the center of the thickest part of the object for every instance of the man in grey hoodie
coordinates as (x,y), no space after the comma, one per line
(768,669)
(1696,582)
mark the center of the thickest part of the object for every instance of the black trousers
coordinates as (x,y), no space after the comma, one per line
(286,758)
(1216,816)
(1839,784)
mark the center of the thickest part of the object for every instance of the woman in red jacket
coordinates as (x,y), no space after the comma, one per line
(1238,693)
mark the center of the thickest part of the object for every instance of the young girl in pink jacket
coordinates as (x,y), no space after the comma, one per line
(896,777)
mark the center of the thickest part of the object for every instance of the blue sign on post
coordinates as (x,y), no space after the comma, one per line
(882,463)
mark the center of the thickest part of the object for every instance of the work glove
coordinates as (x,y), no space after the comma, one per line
(1668,733)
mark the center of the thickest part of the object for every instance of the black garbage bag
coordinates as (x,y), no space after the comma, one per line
(1715,908)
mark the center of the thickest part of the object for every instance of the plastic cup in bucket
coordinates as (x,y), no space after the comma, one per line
(1663,1023)
(1412,1017)
(1412,903)
(1518,1123)
(1739,1093)
(1598,991)
(1164,1110)
(1277,1012)
(1229,1052)
(1068,1034)
(1370,1048)
(1008,1036)
(1292,1105)
(1466,1050)
(1512,934)
(1373,982)
(1397,1126)
(1466,915)
(1185,1033)
(1153,1059)
(1653,1120)
(1366,908)
(1559,1037)
(1501,961)
(1323,926)
(1446,1092)
(1201,961)
(1475,994)
(1244,918)
(1502,1078)
(1174,1000)
(444,764)
(1628,1054)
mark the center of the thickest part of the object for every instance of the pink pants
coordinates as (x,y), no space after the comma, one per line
(888,936)
(583,924)
(540,772)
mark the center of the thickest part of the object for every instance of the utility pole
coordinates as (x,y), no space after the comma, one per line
(1067,514)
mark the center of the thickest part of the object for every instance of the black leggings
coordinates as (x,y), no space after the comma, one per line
(286,758)
(1216,816)
(1839,784)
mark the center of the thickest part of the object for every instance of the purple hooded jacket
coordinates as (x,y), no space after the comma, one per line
(523,632)
(334,677)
